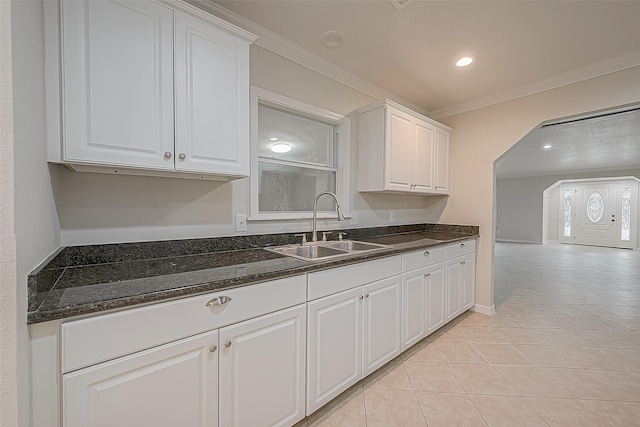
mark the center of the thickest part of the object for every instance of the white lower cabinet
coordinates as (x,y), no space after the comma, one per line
(334,350)
(351,334)
(423,300)
(461,277)
(381,327)
(262,370)
(436,284)
(171,385)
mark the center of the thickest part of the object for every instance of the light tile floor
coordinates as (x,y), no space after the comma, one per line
(563,349)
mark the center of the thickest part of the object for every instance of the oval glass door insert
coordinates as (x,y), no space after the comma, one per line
(595,207)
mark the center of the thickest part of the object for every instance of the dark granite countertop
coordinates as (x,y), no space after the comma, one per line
(79,280)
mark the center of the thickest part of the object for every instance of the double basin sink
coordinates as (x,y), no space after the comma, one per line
(316,251)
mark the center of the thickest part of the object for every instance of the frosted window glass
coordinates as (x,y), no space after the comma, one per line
(626,214)
(311,141)
(289,181)
(595,207)
(568,194)
(284,188)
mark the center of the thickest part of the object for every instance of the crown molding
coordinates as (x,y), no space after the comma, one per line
(597,69)
(277,44)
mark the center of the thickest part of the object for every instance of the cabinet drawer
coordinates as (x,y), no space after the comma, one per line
(97,339)
(423,258)
(461,248)
(336,280)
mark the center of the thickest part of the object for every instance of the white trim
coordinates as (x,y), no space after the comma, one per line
(343,129)
(483,309)
(598,69)
(529,242)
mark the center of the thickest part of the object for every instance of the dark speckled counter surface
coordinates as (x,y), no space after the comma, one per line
(79,280)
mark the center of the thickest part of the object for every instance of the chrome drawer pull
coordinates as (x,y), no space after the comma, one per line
(213,348)
(218,301)
(227,344)
(426,253)
(462,245)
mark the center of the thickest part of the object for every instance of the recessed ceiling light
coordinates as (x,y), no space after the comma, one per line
(546,146)
(332,38)
(280,148)
(463,62)
(273,138)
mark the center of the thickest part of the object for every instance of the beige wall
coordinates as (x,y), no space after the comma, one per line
(519,209)
(8,326)
(482,136)
(31,227)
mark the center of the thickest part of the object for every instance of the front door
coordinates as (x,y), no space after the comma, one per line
(599,213)
(596,215)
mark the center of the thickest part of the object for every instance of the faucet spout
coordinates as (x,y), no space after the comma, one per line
(314,234)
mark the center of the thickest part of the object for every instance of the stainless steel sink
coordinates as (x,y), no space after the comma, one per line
(354,246)
(316,251)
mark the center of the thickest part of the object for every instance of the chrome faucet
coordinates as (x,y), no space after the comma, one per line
(314,234)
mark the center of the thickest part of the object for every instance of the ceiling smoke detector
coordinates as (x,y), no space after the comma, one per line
(333,38)
(400,4)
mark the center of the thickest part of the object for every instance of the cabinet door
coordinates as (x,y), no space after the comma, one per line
(469,281)
(171,385)
(414,310)
(454,288)
(399,160)
(262,367)
(118,83)
(436,282)
(442,160)
(334,352)
(382,324)
(212,99)
(423,169)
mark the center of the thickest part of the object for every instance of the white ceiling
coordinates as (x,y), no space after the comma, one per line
(520,47)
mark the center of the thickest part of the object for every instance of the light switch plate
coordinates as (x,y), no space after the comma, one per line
(241,222)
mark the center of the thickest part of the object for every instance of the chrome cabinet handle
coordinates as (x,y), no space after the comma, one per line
(182,156)
(366,296)
(463,262)
(227,344)
(426,253)
(213,348)
(427,275)
(462,245)
(218,301)
(361,296)
(167,154)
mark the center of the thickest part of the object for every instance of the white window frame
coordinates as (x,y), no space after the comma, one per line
(343,142)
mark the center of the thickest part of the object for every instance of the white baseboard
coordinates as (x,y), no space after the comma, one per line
(517,241)
(483,309)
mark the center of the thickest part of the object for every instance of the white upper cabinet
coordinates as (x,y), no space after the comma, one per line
(148,88)
(212,99)
(118,83)
(402,151)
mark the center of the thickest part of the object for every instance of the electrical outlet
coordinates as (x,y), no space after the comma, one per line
(354,218)
(392,216)
(241,222)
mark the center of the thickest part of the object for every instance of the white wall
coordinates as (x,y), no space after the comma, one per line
(519,208)
(99,208)
(29,200)
(482,136)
